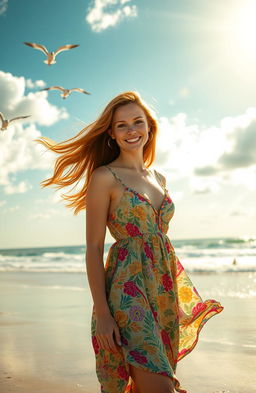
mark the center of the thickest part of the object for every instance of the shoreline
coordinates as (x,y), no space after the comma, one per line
(46,345)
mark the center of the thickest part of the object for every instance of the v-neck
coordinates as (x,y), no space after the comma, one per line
(148,200)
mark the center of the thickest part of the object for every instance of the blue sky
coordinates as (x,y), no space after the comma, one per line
(194,62)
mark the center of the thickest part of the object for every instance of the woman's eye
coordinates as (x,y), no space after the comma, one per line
(120,125)
(138,121)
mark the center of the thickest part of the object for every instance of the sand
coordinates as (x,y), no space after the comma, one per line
(46,346)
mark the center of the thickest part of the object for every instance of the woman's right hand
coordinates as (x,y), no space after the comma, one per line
(105,327)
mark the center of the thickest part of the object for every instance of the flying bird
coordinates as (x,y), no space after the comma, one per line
(66,92)
(6,123)
(50,55)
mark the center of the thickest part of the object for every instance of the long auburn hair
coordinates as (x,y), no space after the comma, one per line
(89,149)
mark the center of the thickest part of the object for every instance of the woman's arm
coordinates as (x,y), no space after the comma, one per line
(97,203)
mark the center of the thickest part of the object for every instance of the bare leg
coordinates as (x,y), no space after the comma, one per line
(149,382)
(134,387)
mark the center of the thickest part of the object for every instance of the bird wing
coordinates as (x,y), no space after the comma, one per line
(65,47)
(37,46)
(54,88)
(1,117)
(19,117)
(80,90)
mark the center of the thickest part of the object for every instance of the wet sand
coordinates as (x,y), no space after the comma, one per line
(46,347)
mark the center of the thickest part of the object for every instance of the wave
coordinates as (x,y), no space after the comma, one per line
(201,256)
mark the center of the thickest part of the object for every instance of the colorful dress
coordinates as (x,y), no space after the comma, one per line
(153,301)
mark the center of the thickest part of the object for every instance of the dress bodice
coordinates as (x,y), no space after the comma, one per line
(135,215)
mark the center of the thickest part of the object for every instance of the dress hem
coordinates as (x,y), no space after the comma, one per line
(214,310)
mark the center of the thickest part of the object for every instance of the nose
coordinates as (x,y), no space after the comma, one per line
(131,127)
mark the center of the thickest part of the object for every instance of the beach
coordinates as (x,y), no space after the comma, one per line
(46,346)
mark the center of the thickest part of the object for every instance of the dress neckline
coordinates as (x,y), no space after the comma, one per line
(148,200)
(139,194)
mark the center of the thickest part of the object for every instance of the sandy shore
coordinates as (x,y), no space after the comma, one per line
(45,339)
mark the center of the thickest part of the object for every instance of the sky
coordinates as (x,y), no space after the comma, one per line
(192,62)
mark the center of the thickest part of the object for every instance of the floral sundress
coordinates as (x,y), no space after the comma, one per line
(153,301)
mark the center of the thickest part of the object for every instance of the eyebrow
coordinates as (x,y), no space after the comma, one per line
(124,120)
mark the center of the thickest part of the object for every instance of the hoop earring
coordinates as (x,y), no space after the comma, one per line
(109,145)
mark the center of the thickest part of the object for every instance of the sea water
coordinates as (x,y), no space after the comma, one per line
(225,257)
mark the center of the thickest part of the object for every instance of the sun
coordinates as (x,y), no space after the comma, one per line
(243,29)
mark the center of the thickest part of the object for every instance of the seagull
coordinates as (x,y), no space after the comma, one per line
(5,122)
(66,92)
(50,55)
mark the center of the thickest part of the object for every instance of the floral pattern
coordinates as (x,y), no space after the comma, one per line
(157,309)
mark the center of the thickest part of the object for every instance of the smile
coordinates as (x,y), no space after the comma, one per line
(133,140)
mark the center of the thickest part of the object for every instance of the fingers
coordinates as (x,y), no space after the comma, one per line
(107,343)
(112,345)
(105,333)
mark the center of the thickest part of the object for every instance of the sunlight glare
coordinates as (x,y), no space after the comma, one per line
(244,29)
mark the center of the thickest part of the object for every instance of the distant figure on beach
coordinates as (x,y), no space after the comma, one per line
(146,313)
(234,261)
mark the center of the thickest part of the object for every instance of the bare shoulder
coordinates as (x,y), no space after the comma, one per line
(162,177)
(101,178)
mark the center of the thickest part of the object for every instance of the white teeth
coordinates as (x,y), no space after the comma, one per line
(133,140)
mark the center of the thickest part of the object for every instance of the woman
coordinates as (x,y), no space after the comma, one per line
(146,314)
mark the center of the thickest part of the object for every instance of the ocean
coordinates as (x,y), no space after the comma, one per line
(207,257)
(212,255)
(46,307)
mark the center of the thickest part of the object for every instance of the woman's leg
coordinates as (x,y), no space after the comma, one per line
(149,382)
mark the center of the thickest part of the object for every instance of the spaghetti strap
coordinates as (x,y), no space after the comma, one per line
(160,180)
(116,176)
(156,176)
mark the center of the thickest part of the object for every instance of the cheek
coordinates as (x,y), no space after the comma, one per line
(119,133)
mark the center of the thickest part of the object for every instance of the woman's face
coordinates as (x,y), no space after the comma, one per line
(130,126)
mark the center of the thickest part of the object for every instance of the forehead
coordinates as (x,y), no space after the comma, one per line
(127,111)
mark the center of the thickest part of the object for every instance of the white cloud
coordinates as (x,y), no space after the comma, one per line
(18,153)
(3,6)
(19,188)
(245,177)
(14,102)
(54,198)
(204,185)
(32,85)
(2,203)
(209,157)
(18,150)
(46,215)
(107,13)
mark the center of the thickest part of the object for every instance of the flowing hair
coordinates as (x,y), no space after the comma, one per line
(89,149)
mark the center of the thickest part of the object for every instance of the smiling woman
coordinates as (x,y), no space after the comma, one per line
(92,147)
(146,313)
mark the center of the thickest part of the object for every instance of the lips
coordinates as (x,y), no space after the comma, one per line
(133,140)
